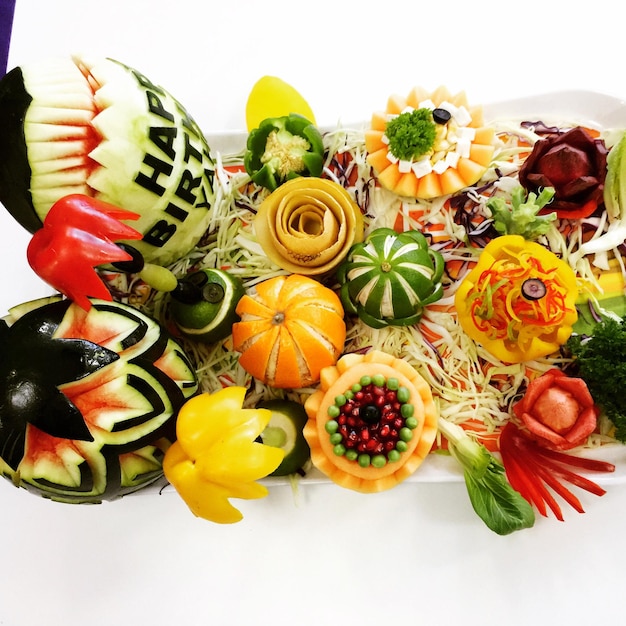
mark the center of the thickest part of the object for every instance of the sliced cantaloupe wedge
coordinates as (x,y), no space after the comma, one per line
(429,186)
(374,140)
(396,104)
(451,181)
(339,380)
(407,185)
(466,172)
(379,121)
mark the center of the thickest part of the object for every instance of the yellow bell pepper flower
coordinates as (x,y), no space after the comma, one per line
(519,301)
(216,457)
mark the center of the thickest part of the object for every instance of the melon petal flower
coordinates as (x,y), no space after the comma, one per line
(216,456)
(424,158)
(355,442)
(308,225)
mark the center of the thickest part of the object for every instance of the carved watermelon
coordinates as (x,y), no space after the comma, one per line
(88,400)
(102,129)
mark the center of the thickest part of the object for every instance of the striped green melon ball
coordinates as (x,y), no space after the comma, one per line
(390,278)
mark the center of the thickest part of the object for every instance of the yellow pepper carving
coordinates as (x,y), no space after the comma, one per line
(519,301)
(216,457)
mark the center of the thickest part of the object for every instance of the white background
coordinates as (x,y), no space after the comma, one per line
(418,554)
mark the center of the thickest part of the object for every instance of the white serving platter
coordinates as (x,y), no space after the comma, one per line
(590,108)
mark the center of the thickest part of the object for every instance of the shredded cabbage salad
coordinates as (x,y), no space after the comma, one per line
(470,386)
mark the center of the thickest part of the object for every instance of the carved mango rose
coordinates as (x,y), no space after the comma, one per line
(307,225)
(574,164)
(558,410)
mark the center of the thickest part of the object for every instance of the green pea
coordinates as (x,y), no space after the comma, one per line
(352,455)
(378,380)
(364,460)
(339,450)
(401,446)
(379,460)
(411,423)
(407,410)
(356,387)
(349,394)
(336,438)
(333,411)
(340,400)
(365,381)
(405,434)
(393,456)
(404,395)
(393,384)
(331,426)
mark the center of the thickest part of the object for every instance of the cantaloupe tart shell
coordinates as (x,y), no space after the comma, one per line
(336,380)
(468,170)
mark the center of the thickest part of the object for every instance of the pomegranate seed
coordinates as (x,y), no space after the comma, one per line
(370,421)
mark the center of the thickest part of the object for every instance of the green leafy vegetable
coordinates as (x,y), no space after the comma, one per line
(615,183)
(601,363)
(521,216)
(411,134)
(502,508)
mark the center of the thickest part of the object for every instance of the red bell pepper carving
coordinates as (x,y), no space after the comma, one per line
(79,234)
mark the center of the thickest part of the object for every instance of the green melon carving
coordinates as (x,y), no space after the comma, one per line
(389,278)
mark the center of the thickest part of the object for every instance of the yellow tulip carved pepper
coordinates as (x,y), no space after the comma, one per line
(519,301)
(216,457)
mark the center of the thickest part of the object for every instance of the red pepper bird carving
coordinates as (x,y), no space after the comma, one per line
(79,234)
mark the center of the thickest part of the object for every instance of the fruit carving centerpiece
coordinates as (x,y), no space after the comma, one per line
(324,289)
(372,422)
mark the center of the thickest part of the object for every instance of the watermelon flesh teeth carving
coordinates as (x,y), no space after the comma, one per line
(102,129)
(88,400)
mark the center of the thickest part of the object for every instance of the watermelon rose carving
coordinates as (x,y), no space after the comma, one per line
(89,399)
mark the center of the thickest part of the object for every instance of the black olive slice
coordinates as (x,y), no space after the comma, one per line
(134,265)
(533,289)
(441,116)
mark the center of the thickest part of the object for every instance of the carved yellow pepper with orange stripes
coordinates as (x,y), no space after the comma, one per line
(518,302)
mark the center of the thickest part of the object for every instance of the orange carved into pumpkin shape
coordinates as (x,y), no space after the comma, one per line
(291,328)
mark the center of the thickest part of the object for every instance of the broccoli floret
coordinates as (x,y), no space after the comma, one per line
(411,134)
